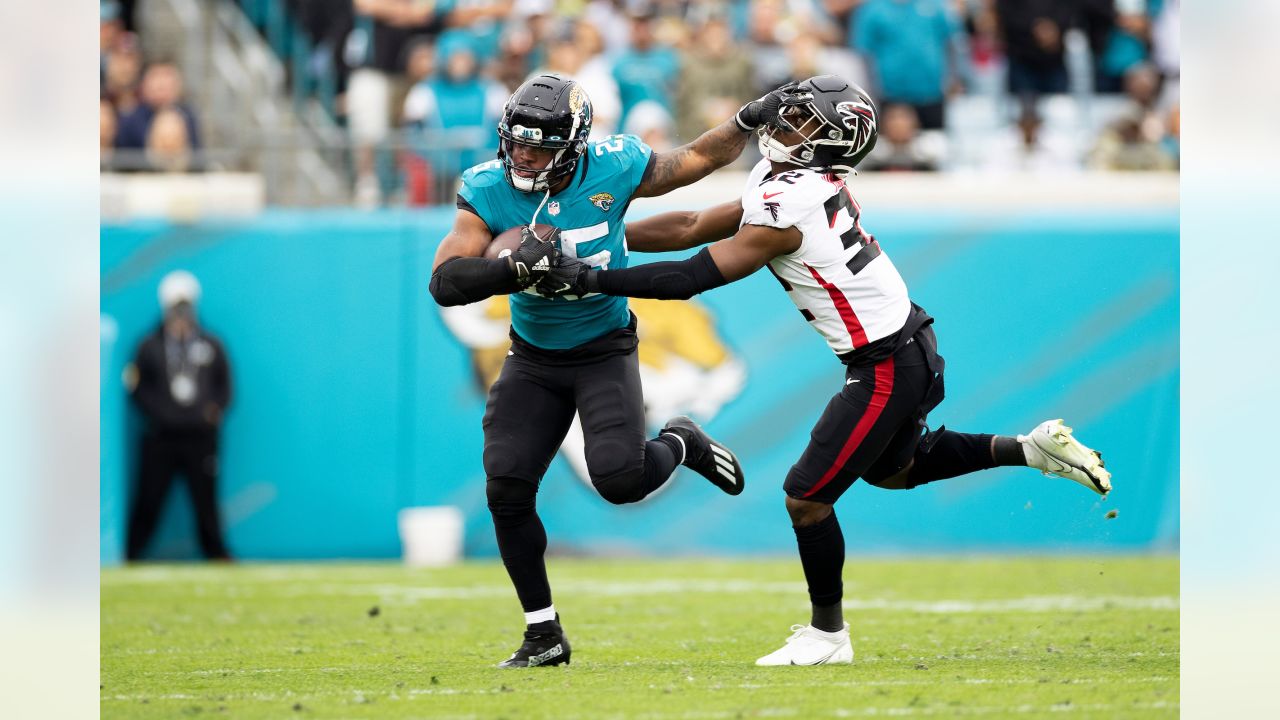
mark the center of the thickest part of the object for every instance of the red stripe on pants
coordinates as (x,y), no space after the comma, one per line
(856,333)
(879,399)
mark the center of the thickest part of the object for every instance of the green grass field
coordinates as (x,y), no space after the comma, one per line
(996,637)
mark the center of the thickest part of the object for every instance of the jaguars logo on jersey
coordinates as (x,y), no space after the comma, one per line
(602,200)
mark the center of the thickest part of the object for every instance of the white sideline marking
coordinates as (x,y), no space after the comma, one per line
(1035,603)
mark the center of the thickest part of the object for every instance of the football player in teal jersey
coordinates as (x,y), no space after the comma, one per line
(568,353)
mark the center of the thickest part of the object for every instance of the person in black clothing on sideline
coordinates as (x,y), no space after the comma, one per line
(181,382)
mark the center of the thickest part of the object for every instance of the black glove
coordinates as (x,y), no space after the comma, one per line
(567,277)
(535,256)
(767,109)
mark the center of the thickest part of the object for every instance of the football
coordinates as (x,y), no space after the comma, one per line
(509,240)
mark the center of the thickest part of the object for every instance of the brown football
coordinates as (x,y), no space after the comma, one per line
(509,240)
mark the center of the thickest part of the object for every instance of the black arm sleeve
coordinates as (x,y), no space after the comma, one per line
(463,280)
(678,280)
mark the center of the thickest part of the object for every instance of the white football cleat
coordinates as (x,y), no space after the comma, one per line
(1051,449)
(810,646)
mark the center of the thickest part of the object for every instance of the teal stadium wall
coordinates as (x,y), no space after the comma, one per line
(353,400)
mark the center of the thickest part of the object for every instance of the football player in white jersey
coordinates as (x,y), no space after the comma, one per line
(798,218)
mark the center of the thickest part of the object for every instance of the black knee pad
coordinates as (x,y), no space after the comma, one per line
(613,473)
(500,459)
(510,499)
(619,489)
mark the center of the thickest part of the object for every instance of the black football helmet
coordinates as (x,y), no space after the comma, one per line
(547,111)
(838,126)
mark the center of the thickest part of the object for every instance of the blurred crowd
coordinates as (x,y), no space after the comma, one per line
(985,85)
(146,124)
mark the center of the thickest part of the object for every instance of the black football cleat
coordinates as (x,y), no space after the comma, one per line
(707,457)
(544,646)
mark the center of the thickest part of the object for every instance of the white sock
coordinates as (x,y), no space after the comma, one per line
(543,615)
(683,450)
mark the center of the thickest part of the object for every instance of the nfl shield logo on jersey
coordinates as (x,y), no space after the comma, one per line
(553,207)
(602,200)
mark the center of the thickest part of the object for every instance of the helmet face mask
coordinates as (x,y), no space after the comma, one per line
(835,130)
(550,113)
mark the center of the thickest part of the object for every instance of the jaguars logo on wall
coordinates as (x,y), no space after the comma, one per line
(602,200)
(685,366)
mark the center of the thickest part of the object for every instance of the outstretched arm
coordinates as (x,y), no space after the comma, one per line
(690,163)
(717,147)
(684,229)
(720,264)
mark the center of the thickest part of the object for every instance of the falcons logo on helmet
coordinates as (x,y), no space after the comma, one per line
(851,111)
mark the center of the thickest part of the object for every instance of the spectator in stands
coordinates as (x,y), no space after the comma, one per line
(651,122)
(897,149)
(715,82)
(455,110)
(987,67)
(122,72)
(161,90)
(482,19)
(106,133)
(1138,140)
(1033,31)
(842,14)
(913,49)
(1123,146)
(609,18)
(419,61)
(772,26)
(566,57)
(646,70)
(515,58)
(181,382)
(807,56)
(1028,147)
(168,144)
(110,32)
(374,52)
(1142,92)
(1126,44)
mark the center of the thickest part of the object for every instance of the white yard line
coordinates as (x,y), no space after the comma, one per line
(1034,603)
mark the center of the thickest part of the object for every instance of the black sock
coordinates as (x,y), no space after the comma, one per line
(822,556)
(828,618)
(661,456)
(1008,451)
(522,542)
(951,454)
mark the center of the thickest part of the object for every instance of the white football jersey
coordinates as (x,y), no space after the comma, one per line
(840,279)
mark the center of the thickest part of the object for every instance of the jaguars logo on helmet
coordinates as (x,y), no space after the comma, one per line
(547,111)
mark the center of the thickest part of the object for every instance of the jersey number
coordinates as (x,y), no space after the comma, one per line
(612,144)
(870,249)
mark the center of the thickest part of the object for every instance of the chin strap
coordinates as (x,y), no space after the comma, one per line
(534,221)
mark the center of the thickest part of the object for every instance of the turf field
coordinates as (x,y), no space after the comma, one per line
(995,637)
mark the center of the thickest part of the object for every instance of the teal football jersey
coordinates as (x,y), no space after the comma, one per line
(589,213)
